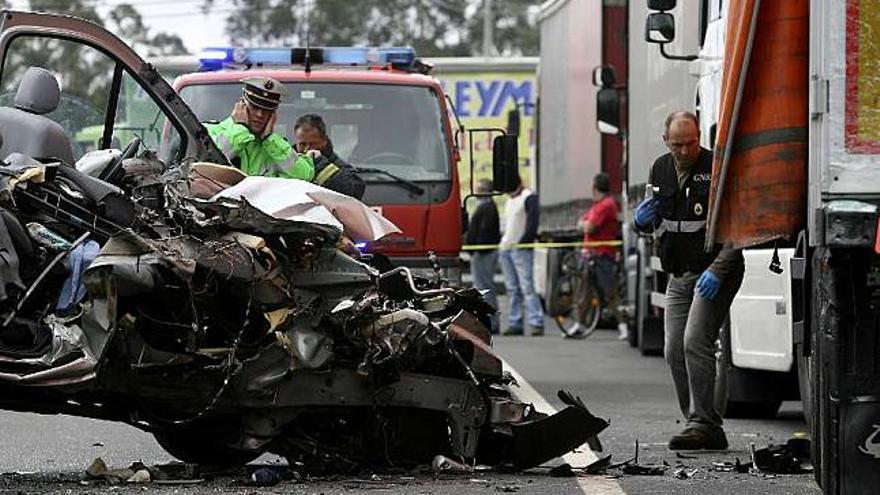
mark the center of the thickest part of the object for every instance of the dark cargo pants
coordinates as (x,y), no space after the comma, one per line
(692,324)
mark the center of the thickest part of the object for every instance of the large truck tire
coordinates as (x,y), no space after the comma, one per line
(846,385)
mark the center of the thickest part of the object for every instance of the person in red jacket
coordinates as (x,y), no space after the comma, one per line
(601,223)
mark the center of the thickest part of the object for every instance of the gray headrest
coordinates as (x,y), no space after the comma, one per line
(38,92)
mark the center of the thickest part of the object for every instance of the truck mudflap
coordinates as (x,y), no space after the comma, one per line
(547,437)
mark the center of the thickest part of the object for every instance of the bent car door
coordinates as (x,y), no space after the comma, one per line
(100,73)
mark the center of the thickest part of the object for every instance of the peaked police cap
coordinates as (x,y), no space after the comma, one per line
(263,92)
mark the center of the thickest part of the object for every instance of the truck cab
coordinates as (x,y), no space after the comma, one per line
(383,114)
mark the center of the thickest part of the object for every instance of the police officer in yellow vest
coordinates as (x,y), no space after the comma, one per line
(247,139)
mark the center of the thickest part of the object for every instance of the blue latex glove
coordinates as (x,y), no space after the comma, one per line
(646,212)
(708,285)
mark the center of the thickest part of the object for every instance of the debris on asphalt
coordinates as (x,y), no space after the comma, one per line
(599,465)
(443,464)
(97,468)
(140,476)
(97,444)
(562,471)
(649,470)
(791,458)
(264,477)
(732,467)
(684,473)
(507,488)
(98,471)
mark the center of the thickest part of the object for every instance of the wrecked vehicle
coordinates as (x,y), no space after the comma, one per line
(227,315)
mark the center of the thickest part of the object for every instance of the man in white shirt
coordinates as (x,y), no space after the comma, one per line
(521,227)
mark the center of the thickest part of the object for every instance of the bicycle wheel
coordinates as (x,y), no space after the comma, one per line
(580,296)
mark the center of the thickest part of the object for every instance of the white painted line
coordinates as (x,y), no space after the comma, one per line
(584,455)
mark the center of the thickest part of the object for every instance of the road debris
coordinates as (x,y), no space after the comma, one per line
(264,477)
(732,467)
(507,488)
(684,473)
(791,458)
(599,465)
(443,464)
(140,476)
(562,471)
(648,470)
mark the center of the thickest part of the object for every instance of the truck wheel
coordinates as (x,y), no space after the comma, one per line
(197,449)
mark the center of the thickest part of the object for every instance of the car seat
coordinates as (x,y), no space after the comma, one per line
(25,128)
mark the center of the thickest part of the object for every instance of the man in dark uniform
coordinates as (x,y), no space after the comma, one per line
(484,228)
(701,284)
(331,171)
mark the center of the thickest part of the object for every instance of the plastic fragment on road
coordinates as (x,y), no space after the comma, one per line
(443,464)
(562,471)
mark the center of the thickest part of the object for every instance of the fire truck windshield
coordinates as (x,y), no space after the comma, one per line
(395,128)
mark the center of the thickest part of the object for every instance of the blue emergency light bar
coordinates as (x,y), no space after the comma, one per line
(215,58)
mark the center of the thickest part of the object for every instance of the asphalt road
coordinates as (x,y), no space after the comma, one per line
(50,453)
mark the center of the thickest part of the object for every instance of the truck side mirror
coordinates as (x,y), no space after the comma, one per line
(660,28)
(661,5)
(604,76)
(513,121)
(505,163)
(608,111)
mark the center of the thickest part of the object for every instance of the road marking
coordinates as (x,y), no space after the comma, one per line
(584,455)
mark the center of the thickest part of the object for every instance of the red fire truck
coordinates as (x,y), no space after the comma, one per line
(385,115)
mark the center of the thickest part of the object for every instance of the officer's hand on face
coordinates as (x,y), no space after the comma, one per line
(708,285)
(314,154)
(646,212)
(270,125)
(240,113)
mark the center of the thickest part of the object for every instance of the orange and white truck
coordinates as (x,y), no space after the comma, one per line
(794,120)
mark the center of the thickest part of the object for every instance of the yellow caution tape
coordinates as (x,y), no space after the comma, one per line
(548,245)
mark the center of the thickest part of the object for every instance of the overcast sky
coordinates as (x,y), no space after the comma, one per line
(181,17)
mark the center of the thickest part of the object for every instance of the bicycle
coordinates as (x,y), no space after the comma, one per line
(579,293)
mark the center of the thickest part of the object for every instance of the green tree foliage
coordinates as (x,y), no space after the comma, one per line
(515,28)
(84,71)
(432,27)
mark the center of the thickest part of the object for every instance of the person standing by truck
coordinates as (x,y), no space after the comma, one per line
(484,229)
(331,171)
(600,223)
(247,136)
(702,284)
(517,263)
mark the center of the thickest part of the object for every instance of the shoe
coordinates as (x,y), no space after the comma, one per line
(622,331)
(578,331)
(574,332)
(536,331)
(509,331)
(699,439)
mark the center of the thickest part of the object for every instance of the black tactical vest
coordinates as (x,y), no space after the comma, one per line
(681,229)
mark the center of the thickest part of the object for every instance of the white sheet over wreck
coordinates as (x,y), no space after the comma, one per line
(300,201)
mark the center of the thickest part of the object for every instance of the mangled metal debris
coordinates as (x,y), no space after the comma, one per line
(231,316)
